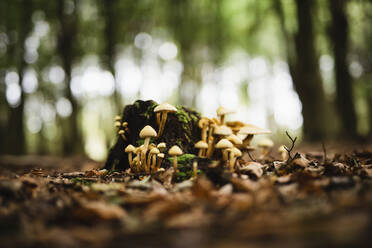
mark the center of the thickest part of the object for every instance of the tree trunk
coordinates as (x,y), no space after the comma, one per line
(339,31)
(16,143)
(72,140)
(109,14)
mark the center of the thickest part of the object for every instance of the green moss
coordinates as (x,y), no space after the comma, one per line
(183,159)
(150,110)
(182,116)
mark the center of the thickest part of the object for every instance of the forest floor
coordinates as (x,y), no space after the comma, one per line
(320,201)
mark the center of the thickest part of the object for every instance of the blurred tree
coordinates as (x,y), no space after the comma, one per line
(339,37)
(19,25)
(67,42)
(304,68)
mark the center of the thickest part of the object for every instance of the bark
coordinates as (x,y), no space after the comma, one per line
(304,69)
(72,140)
(339,33)
(109,13)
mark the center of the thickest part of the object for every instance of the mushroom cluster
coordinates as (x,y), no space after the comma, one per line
(230,137)
(148,157)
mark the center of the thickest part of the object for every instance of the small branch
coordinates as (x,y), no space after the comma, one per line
(250,156)
(324,153)
(292,146)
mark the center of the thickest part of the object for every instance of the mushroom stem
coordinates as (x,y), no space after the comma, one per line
(162,123)
(247,140)
(175,163)
(123,136)
(195,169)
(210,142)
(222,119)
(284,155)
(130,160)
(232,160)
(265,151)
(201,151)
(225,154)
(158,118)
(153,164)
(159,163)
(204,133)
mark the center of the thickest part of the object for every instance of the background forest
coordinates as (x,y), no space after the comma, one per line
(67,67)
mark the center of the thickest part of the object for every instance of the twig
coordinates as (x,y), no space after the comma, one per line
(250,156)
(292,146)
(324,153)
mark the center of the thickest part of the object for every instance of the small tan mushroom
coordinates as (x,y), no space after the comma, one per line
(222,112)
(203,125)
(122,134)
(220,131)
(283,152)
(234,154)
(202,146)
(251,130)
(118,118)
(265,145)
(146,133)
(175,151)
(130,149)
(164,109)
(234,139)
(160,159)
(161,146)
(152,155)
(117,124)
(224,144)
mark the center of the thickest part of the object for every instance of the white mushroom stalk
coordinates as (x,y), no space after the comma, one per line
(164,109)
(160,159)
(146,133)
(203,125)
(234,154)
(130,149)
(283,152)
(175,151)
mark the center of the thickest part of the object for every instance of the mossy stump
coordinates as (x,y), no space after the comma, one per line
(180,129)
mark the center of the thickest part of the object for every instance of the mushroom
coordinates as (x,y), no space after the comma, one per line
(152,155)
(224,144)
(203,125)
(221,112)
(234,154)
(161,146)
(130,149)
(146,133)
(220,131)
(122,134)
(251,130)
(174,152)
(235,125)
(265,144)
(118,118)
(212,126)
(283,152)
(164,109)
(234,139)
(202,146)
(117,124)
(125,126)
(160,159)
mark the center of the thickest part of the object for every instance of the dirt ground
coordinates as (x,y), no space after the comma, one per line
(312,201)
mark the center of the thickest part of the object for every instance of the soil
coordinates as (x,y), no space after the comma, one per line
(71,202)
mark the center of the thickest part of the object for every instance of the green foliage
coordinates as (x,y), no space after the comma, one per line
(184,159)
(142,141)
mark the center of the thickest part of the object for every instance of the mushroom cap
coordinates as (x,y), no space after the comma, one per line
(282,148)
(162,145)
(117,124)
(129,148)
(234,139)
(235,124)
(236,152)
(125,124)
(147,132)
(154,150)
(203,121)
(160,155)
(201,145)
(223,144)
(121,132)
(166,107)
(265,143)
(252,129)
(224,111)
(175,151)
(117,118)
(242,136)
(222,130)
